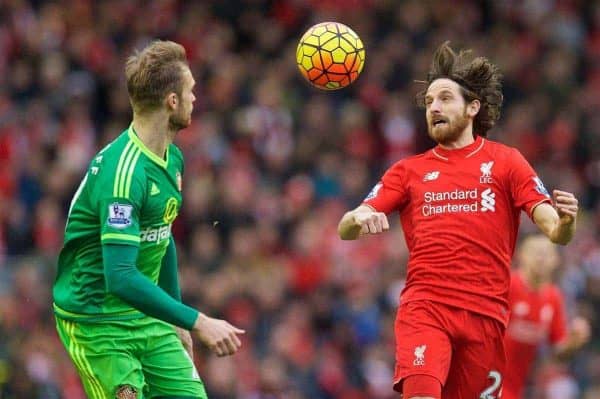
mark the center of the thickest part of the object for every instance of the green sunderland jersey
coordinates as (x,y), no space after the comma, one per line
(131,196)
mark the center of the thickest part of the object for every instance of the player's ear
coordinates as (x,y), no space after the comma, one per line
(172,101)
(473,108)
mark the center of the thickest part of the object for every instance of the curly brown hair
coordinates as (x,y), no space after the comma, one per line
(153,73)
(478,79)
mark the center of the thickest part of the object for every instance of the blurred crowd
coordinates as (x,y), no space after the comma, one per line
(272,164)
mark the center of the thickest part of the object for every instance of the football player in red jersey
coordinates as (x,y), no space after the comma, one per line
(459,205)
(537,314)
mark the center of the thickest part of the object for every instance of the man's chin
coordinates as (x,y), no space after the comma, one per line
(444,136)
(438,135)
(178,125)
(187,122)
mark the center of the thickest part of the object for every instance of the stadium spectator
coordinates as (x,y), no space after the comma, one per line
(537,315)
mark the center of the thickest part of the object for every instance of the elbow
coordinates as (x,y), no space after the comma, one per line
(115,285)
(112,287)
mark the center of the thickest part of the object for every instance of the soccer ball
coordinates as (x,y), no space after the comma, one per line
(330,55)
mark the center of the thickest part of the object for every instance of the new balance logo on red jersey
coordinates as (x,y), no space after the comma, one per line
(431,176)
(420,355)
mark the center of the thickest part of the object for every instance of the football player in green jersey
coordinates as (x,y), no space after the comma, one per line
(117,300)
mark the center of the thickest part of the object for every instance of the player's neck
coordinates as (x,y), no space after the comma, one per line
(153,130)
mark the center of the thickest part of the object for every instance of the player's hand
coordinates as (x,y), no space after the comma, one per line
(566,205)
(371,222)
(186,340)
(580,331)
(220,336)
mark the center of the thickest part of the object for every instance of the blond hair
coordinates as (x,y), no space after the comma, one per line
(153,73)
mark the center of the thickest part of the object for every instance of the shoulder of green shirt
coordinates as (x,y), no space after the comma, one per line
(122,183)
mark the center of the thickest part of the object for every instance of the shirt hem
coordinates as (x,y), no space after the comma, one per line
(94,318)
(456,304)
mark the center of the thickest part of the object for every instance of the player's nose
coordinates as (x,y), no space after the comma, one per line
(434,115)
(435,106)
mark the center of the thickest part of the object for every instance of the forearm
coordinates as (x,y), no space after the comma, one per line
(169,280)
(559,231)
(579,335)
(562,233)
(563,352)
(125,281)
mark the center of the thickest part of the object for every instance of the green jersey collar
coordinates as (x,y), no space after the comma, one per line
(136,140)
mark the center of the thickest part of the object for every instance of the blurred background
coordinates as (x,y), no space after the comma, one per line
(272,164)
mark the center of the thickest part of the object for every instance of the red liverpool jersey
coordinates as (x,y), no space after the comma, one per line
(537,316)
(460,214)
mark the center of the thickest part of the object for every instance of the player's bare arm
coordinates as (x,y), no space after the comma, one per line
(558,222)
(220,336)
(362,220)
(579,335)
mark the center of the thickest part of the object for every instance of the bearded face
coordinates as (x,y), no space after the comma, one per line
(448,129)
(446,112)
(181,116)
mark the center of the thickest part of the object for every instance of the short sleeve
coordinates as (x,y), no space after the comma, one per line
(558,328)
(390,193)
(527,189)
(120,215)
